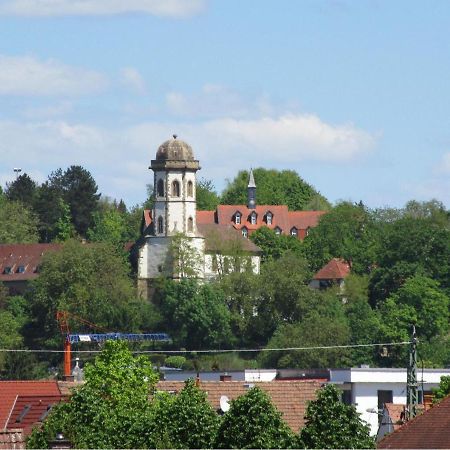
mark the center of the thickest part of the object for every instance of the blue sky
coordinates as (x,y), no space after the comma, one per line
(353,95)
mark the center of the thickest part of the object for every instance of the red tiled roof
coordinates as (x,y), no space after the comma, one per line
(22,260)
(303,220)
(30,410)
(12,439)
(396,412)
(10,390)
(205,217)
(290,397)
(428,430)
(147,218)
(336,269)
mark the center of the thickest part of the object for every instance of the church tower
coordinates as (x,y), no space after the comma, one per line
(251,191)
(173,214)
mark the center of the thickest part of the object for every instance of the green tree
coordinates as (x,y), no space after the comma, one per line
(10,337)
(189,421)
(442,391)
(110,410)
(22,189)
(17,223)
(196,314)
(207,198)
(109,226)
(346,232)
(254,422)
(273,188)
(90,281)
(332,424)
(64,228)
(183,259)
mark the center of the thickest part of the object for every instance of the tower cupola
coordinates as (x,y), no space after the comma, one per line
(251,191)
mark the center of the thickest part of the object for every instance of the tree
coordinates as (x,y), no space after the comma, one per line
(332,424)
(273,188)
(22,189)
(80,193)
(275,245)
(184,260)
(17,223)
(346,232)
(109,226)
(254,422)
(188,420)
(90,281)
(64,228)
(442,391)
(196,314)
(207,198)
(110,410)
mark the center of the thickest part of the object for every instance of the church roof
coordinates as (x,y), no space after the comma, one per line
(175,150)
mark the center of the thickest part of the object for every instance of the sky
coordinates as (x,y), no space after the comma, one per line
(353,95)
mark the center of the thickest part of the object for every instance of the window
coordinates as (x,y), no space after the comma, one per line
(7,270)
(294,231)
(307,231)
(190,189)
(160,188)
(277,230)
(237,218)
(160,225)
(21,269)
(383,398)
(269,217)
(175,189)
(244,232)
(190,224)
(253,218)
(226,265)
(214,263)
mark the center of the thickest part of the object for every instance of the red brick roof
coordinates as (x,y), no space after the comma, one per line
(19,262)
(428,430)
(30,410)
(336,269)
(12,439)
(290,397)
(205,217)
(396,412)
(10,390)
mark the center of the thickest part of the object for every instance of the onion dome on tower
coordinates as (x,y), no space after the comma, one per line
(175,154)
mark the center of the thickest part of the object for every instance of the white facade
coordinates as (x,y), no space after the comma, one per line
(366,386)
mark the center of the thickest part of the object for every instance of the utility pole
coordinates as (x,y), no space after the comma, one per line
(412,396)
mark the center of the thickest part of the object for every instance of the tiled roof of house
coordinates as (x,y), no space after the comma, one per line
(20,261)
(303,220)
(11,390)
(220,237)
(205,217)
(30,410)
(396,412)
(12,439)
(428,430)
(290,397)
(336,269)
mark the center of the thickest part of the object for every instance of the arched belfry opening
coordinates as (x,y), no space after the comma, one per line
(160,188)
(176,188)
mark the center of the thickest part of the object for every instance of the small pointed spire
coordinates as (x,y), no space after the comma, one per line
(175,136)
(251,180)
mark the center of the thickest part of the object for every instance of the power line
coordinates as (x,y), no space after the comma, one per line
(231,350)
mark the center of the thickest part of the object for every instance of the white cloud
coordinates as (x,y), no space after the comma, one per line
(214,101)
(162,8)
(26,75)
(132,78)
(48,111)
(119,158)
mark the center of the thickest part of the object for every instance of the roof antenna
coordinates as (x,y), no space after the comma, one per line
(174,136)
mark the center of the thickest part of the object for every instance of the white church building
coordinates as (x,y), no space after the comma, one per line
(171,232)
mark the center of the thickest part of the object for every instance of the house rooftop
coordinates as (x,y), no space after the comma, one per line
(336,269)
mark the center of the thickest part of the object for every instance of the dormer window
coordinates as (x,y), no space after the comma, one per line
(237,218)
(294,231)
(277,230)
(253,218)
(21,269)
(7,270)
(269,217)
(244,232)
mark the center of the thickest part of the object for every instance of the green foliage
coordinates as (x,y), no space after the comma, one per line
(109,226)
(254,422)
(197,314)
(273,188)
(443,390)
(22,189)
(275,245)
(110,410)
(175,361)
(90,281)
(64,228)
(332,424)
(184,260)
(206,196)
(347,232)
(188,421)
(10,336)
(17,223)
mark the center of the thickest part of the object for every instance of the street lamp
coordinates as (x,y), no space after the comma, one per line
(17,170)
